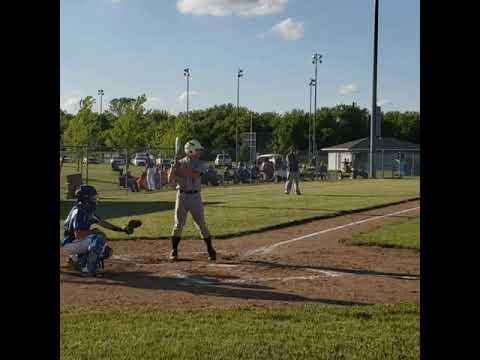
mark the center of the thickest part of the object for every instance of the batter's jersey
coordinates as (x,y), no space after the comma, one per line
(188,183)
(79,218)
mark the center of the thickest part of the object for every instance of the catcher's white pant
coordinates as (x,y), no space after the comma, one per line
(151,178)
(79,246)
(292,177)
(192,203)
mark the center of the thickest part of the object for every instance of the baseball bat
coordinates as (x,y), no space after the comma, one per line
(177,147)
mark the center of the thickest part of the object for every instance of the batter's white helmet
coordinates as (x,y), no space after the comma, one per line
(193,147)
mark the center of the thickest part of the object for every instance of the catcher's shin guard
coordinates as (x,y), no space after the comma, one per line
(95,252)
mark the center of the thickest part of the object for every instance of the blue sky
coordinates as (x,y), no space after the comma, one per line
(130,47)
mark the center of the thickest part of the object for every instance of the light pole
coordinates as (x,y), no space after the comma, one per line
(250,144)
(239,75)
(316,58)
(101,93)
(373,117)
(310,85)
(186,73)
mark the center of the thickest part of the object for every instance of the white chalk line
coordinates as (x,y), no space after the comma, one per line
(224,265)
(193,280)
(268,249)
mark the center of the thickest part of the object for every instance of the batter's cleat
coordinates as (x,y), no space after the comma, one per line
(212,255)
(286,193)
(173,255)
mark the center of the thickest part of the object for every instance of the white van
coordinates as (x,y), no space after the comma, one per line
(223,160)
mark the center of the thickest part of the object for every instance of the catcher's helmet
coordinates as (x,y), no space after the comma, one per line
(86,195)
(193,147)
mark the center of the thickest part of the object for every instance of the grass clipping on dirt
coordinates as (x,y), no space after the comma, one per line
(236,210)
(307,332)
(405,234)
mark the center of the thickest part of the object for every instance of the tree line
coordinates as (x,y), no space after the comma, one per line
(127,124)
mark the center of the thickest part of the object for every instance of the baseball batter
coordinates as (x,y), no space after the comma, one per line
(186,173)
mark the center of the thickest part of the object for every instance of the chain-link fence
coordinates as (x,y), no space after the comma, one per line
(116,171)
(388,164)
(393,164)
(110,170)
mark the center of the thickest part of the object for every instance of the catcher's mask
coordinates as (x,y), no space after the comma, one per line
(87,195)
(193,147)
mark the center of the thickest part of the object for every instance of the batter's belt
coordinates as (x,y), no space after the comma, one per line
(188,192)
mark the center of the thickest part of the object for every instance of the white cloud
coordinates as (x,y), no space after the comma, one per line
(384,102)
(231,7)
(289,29)
(70,104)
(153,103)
(183,96)
(349,89)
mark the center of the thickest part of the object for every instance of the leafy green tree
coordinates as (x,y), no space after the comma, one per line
(65,119)
(119,106)
(82,130)
(129,131)
(404,126)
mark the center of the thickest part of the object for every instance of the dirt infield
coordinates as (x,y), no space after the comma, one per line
(252,270)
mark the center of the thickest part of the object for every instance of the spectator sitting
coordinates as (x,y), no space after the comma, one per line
(131,181)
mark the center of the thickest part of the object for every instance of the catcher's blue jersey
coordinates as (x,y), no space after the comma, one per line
(79,218)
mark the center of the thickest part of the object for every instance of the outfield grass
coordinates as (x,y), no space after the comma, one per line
(402,235)
(309,332)
(238,209)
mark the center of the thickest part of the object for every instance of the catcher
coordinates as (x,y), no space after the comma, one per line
(88,247)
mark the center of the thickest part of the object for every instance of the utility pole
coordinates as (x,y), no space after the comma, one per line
(373,117)
(239,75)
(101,93)
(186,73)
(316,58)
(310,147)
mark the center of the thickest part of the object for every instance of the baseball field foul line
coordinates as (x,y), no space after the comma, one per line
(267,249)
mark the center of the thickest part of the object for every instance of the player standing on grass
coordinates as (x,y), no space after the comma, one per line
(150,168)
(186,173)
(293,172)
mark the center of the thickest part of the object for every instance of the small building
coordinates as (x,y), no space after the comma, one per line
(393,157)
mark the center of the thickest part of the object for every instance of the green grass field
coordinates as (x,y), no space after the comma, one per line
(402,235)
(232,210)
(307,332)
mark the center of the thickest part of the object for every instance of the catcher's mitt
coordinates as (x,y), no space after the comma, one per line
(132,224)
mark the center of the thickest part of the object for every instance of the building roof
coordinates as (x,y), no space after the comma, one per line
(387,143)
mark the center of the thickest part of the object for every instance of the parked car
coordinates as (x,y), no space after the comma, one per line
(140,159)
(281,173)
(223,160)
(164,163)
(92,159)
(118,160)
(66,159)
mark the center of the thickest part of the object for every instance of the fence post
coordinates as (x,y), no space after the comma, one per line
(126,170)
(383,167)
(413,164)
(86,166)
(81,162)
